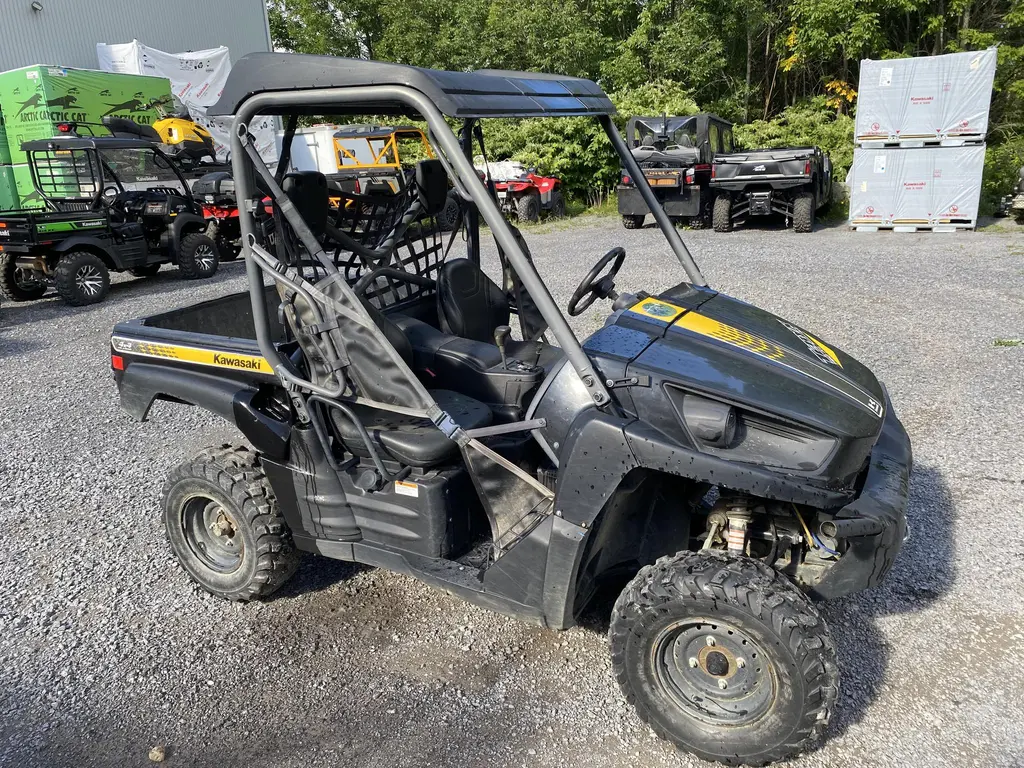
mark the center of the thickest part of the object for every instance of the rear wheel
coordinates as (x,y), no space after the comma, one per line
(147,270)
(528,207)
(198,258)
(557,209)
(451,215)
(81,278)
(224,525)
(633,222)
(724,657)
(227,247)
(17,283)
(721,216)
(803,213)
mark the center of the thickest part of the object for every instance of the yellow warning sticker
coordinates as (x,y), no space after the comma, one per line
(706,326)
(196,355)
(405,488)
(657,310)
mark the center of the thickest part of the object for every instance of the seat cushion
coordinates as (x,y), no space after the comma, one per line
(408,440)
(469,304)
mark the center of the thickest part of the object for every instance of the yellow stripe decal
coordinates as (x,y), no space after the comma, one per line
(705,326)
(195,355)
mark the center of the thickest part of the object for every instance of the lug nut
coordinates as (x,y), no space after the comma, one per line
(741,663)
(710,641)
(693,661)
(722,684)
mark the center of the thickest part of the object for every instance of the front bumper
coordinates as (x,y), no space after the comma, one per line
(882,499)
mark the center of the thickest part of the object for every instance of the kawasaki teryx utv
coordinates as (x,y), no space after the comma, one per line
(111,204)
(720,466)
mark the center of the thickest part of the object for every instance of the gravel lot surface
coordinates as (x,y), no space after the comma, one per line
(107,650)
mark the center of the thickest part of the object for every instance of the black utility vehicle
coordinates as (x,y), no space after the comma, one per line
(675,154)
(718,467)
(112,204)
(795,182)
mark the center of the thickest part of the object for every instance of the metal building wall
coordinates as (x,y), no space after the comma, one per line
(65,32)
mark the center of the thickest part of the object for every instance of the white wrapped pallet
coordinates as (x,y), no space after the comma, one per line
(927,187)
(926,99)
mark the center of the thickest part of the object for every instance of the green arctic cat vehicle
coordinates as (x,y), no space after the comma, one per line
(719,468)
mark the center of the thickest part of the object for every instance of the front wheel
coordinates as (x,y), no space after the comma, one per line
(17,283)
(633,222)
(81,278)
(198,257)
(557,209)
(528,208)
(224,525)
(724,657)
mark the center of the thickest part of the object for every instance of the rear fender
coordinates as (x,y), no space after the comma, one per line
(142,383)
(91,244)
(183,224)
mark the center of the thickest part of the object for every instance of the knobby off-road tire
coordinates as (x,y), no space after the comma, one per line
(198,257)
(148,270)
(528,208)
(15,284)
(81,278)
(633,222)
(450,217)
(224,525)
(724,657)
(227,249)
(803,213)
(557,209)
(721,215)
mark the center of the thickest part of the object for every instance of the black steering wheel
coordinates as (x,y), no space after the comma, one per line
(596,286)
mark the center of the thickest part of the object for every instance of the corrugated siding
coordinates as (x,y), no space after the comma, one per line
(65,32)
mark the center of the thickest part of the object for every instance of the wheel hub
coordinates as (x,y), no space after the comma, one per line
(714,672)
(212,534)
(89,280)
(204,256)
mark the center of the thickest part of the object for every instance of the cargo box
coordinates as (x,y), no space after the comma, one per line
(35,99)
(926,99)
(921,187)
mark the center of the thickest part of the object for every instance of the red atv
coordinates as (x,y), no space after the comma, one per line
(523,193)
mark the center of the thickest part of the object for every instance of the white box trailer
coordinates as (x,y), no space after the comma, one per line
(925,100)
(935,188)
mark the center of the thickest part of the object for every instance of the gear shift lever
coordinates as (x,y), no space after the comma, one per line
(501,333)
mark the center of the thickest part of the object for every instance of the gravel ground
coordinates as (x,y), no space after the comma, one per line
(108,650)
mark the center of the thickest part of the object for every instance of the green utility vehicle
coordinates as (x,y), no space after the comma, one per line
(111,205)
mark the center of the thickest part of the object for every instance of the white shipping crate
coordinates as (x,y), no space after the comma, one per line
(926,187)
(925,99)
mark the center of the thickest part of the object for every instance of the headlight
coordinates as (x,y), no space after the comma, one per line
(732,433)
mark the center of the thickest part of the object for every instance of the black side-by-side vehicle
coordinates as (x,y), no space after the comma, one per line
(675,155)
(718,467)
(112,205)
(794,182)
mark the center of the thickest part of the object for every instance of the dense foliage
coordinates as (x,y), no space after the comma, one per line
(787,68)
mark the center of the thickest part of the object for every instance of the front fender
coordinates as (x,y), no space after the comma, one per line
(142,383)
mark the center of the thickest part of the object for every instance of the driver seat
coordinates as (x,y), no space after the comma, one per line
(471,306)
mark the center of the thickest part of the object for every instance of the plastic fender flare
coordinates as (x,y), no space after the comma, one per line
(184,223)
(142,383)
(93,244)
(582,493)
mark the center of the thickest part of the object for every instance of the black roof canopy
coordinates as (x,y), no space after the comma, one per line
(486,93)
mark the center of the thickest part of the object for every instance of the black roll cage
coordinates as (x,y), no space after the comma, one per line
(457,161)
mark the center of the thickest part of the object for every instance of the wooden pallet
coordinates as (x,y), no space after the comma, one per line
(913,142)
(914,227)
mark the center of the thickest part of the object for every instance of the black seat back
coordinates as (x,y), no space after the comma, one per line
(309,193)
(469,304)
